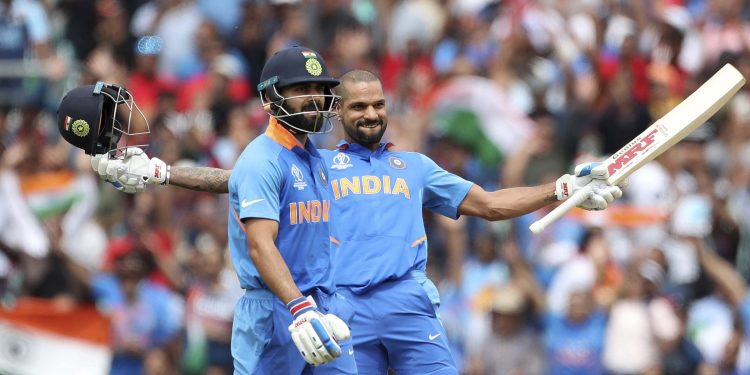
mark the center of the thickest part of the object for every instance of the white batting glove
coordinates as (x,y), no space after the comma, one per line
(132,171)
(316,335)
(107,169)
(595,175)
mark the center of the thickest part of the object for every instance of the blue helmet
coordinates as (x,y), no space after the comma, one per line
(292,66)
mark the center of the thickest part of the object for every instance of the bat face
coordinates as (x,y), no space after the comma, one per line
(640,145)
(691,113)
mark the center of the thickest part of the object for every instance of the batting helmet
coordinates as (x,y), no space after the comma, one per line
(292,66)
(87,117)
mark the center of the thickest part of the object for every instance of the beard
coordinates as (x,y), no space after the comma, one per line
(359,133)
(308,123)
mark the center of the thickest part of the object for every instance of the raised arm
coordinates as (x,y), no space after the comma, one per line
(212,180)
(721,272)
(512,202)
(506,203)
(135,170)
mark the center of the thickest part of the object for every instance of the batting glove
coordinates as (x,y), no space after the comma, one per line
(132,171)
(316,335)
(107,169)
(593,174)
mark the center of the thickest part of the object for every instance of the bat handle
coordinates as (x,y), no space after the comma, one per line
(559,211)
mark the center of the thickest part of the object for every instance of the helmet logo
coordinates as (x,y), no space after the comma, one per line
(80,128)
(313,67)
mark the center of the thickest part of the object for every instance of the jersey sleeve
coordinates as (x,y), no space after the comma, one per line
(443,191)
(258,186)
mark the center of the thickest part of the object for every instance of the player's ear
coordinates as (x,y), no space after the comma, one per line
(337,109)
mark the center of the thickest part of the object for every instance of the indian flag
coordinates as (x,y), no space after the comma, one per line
(68,121)
(51,193)
(475,112)
(39,337)
(309,54)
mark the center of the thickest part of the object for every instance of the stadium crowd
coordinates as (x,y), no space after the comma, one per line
(505,93)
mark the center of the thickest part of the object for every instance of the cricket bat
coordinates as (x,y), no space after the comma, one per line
(691,113)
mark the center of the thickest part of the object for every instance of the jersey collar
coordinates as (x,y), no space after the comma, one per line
(282,136)
(358,149)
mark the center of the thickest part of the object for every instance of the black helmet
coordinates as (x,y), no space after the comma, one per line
(291,66)
(87,118)
(295,65)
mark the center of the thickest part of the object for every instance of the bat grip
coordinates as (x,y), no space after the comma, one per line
(579,197)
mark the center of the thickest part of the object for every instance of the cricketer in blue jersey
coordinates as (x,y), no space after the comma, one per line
(279,231)
(380,246)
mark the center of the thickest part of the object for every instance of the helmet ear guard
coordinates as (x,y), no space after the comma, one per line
(275,100)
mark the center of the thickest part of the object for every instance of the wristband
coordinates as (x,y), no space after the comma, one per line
(299,306)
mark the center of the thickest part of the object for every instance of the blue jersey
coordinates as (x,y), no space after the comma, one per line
(575,348)
(277,178)
(378,198)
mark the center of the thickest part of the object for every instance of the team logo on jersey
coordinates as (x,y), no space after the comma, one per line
(396,163)
(323,176)
(299,178)
(341,161)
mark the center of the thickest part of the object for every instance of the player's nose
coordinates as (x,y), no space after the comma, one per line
(371,113)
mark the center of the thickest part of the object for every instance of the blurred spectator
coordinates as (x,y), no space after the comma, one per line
(225,14)
(623,117)
(145,317)
(678,354)
(629,344)
(592,268)
(329,18)
(146,84)
(25,42)
(209,311)
(541,157)
(234,134)
(725,30)
(176,22)
(252,39)
(513,347)
(292,26)
(574,340)
(478,278)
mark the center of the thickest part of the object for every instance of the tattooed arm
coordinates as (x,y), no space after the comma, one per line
(134,170)
(212,180)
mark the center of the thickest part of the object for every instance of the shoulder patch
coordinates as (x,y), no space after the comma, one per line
(396,162)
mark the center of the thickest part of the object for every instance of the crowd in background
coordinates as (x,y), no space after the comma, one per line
(504,93)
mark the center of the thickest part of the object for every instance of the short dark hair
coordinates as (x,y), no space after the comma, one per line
(354,76)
